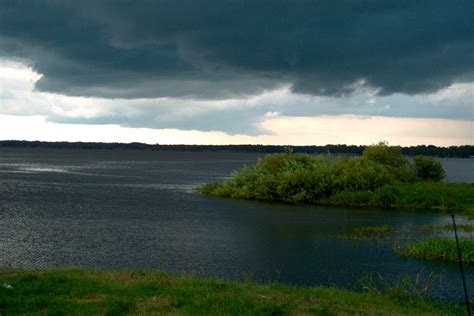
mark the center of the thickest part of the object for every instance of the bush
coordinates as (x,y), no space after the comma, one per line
(359,174)
(392,158)
(428,169)
(386,155)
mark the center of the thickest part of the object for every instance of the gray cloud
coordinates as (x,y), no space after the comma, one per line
(235,116)
(222,49)
(242,116)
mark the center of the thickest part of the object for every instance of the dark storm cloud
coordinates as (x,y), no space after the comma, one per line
(217,49)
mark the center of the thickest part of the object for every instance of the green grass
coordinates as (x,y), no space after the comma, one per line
(439,249)
(92,292)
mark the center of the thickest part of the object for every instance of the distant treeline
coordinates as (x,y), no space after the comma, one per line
(430,150)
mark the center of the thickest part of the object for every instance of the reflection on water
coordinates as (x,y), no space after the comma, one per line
(139,210)
(40,169)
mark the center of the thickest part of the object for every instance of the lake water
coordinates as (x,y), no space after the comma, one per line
(138,210)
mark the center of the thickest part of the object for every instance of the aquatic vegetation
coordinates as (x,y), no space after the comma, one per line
(381,229)
(430,228)
(93,292)
(439,249)
(379,232)
(382,177)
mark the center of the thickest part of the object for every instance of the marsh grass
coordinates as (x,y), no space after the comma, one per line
(439,249)
(99,292)
(432,228)
(380,229)
(404,288)
(380,232)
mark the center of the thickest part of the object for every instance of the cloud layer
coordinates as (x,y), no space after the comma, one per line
(234,116)
(232,49)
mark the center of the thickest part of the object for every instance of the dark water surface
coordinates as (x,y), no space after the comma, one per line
(138,210)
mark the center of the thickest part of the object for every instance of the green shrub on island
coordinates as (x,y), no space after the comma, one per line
(381,177)
(440,249)
(391,157)
(428,169)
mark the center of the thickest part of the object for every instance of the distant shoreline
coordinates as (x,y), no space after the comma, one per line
(464,151)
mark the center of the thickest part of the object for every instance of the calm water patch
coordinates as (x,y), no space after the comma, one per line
(138,210)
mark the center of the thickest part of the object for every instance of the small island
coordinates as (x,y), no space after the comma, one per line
(381,177)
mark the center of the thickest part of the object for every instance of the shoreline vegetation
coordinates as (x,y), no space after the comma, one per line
(87,292)
(440,248)
(464,151)
(381,177)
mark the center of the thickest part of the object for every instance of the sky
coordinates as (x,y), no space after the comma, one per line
(295,72)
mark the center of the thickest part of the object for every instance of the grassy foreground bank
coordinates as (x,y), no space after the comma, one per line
(92,292)
(382,177)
